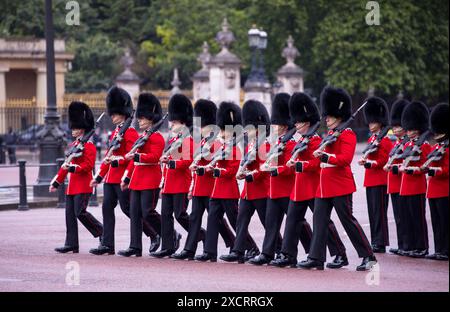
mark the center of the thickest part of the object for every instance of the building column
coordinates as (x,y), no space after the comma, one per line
(3,99)
(41,94)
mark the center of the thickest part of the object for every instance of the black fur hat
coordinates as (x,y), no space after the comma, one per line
(280,110)
(255,113)
(80,116)
(336,102)
(148,106)
(118,101)
(439,119)
(228,114)
(397,111)
(415,117)
(303,109)
(376,110)
(206,110)
(180,108)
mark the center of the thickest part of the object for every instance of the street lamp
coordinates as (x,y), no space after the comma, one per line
(51,136)
(262,45)
(253,41)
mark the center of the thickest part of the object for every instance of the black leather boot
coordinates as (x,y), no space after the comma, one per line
(233,257)
(260,260)
(284,261)
(367,264)
(162,253)
(130,252)
(205,257)
(310,264)
(185,254)
(66,249)
(155,242)
(338,262)
(102,250)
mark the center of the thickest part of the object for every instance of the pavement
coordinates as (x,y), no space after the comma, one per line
(28,262)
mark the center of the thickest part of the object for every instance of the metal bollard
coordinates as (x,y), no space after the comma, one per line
(23,203)
(62,188)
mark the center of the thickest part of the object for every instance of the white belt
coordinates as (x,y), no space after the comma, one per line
(145,164)
(325,165)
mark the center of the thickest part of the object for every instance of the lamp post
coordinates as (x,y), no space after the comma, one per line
(51,136)
(253,40)
(262,45)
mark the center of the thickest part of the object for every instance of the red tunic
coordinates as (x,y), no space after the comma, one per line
(375,175)
(178,180)
(203,185)
(282,184)
(394,180)
(307,181)
(226,186)
(259,187)
(112,173)
(80,174)
(144,171)
(438,184)
(415,183)
(336,177)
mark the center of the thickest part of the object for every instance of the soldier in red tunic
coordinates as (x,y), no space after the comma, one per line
(305,115)
(437,192)
(203,182)
(375,178)
(143,174)
(79,172)
(177,176)
(414,185)
(256,183)
(225,194)
(336,184)
(281,181)
(394,175)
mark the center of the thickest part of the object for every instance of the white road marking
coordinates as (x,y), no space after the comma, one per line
(10,280)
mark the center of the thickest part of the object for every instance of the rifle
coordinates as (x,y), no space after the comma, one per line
(170,148)
(435,155)
(412,153)
(147,133)
(277,149)
(304,142)
(373,146)
(203,151)
(331,138)
(396,152)
(250,156)
(222,154)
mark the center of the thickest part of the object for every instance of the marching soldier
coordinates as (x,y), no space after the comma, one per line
(281,179)
(203,183)
(176,160)
(79,172)
(414,185)
(394,175)
(437,192)
(375,178)
(225,194)
(256,182)
(336,184)
(119,107)
(305,115)
(143,174)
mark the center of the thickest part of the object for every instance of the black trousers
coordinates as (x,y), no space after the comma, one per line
(143,205)
(416,229)
(76,209)
(297,228)
(199,205)
(397,206)
(217,209)
(112,194)
(247,208)
(276,209)
(439,218)
(174,204)
(377,206)
(321,218)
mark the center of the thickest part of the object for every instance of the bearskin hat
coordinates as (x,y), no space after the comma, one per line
(228,114)
(336,102)
(118,101)
(415,117)
(148,106)
(397,111)
(376,110)
(255,113)
(303,109)
(81,116)
(439,119)
(180,108)
(280,110)
(206,110)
